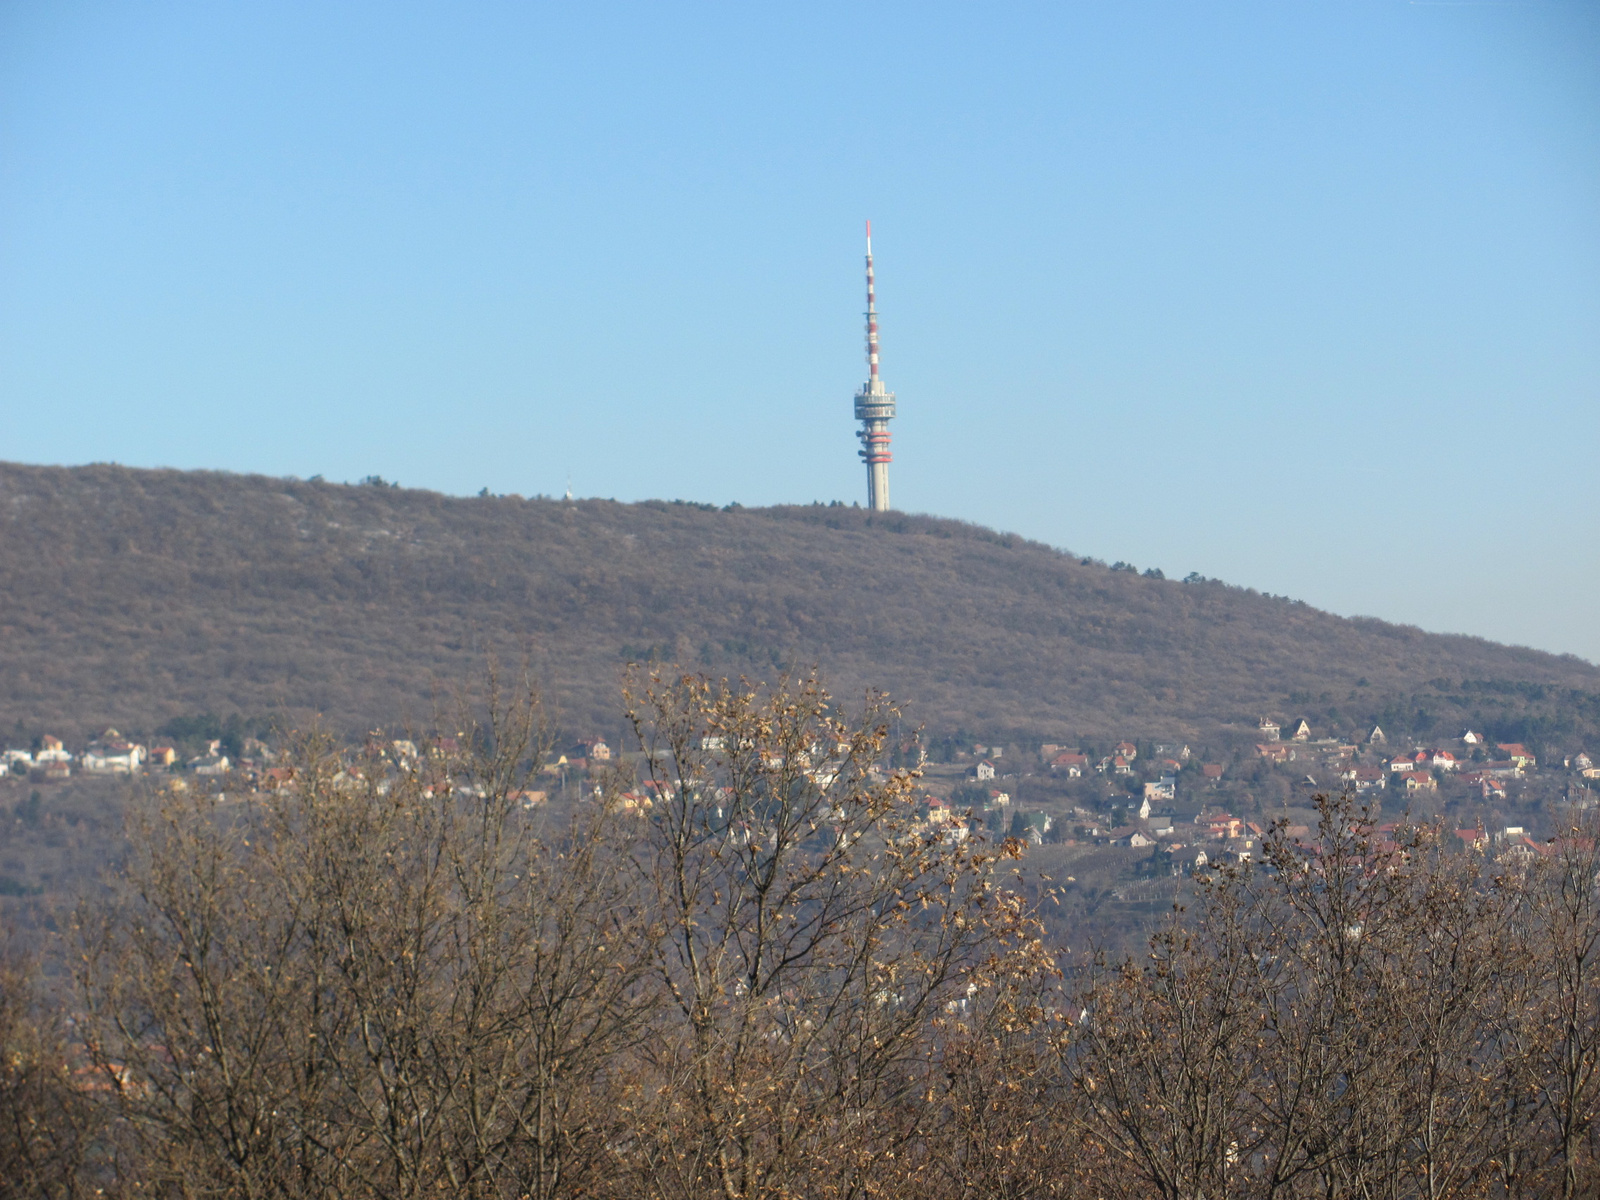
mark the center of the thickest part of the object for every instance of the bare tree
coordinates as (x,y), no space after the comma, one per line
(1328,1024)
(52,1137)
(379,981)
(1559,1026)
(813,931)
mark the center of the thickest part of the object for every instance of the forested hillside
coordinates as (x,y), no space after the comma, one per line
(132,597)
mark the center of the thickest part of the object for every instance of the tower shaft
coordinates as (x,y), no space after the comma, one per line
(874,405)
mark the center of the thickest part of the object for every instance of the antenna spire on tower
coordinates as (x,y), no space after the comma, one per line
(874,405)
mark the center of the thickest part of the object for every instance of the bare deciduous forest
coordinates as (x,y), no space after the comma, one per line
(133,597)
(757,972)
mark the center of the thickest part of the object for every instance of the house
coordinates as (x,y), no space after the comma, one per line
(112,759)
(997,799)
(1507,769)
(1402,762)
(592,748)
(1238,849)
(1165,788)
(1473,839)
(211,764)
(1300,730)
(1275,752)
(1131,837)
(1121,766)
(112,754)
(1220,825)
(1377,735)
(276,778)
(1418,781)
(983,770)
(1517,753)
(404,749)
(1581,761)
(51,751)
(1186,860)
(1522,850)
(1069,764)
(1493,789)
(1160,826)
(1175,750)
(1366,779)
(1268,729)
(1211,773)
(1035,825)
(161,755)
(56,769)
(1144,808)
(1443,760)
(17,761)
(1472,739)
(1125,750)
(939,811)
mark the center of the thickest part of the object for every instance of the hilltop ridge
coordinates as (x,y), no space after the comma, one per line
(132,596)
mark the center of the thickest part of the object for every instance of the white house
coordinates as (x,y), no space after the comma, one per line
(113,755)
(1165,788)
(217,763)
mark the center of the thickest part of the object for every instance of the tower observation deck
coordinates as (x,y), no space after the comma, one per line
(874,406)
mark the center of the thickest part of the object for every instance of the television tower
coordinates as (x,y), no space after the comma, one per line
(874,407)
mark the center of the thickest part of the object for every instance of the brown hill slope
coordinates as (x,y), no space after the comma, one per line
(133,596)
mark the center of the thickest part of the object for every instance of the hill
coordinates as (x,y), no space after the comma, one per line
(132,597)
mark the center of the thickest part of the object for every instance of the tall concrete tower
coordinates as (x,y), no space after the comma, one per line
(874,406)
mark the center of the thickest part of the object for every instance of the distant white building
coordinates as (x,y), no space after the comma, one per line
(1165,788)
(217,763)
(113,754)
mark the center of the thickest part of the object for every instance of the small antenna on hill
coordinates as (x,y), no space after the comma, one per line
(569,489)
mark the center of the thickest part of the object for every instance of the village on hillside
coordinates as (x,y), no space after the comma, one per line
(1137,808)
(1183,809)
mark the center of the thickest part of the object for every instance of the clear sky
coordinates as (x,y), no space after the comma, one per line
(1302,295)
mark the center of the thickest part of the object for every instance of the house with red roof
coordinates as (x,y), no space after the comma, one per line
(1517,753)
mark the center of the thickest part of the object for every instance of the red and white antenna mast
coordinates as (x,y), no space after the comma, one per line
(874,406)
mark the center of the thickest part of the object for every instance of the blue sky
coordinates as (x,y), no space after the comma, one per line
(1301,295)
